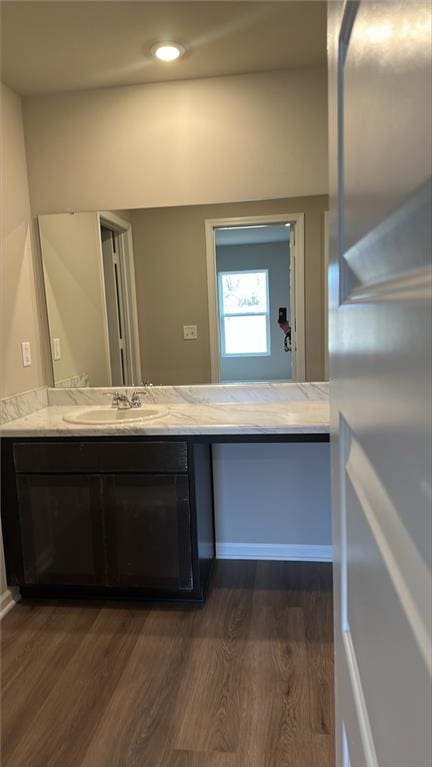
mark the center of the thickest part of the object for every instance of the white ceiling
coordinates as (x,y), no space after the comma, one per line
(252,235)
(56,46)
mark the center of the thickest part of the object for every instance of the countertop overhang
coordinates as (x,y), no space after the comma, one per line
(278,411)
(235,419)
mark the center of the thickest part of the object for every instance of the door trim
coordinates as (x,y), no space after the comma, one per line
(297,221)
(124,230)
(8,600)
(326,294)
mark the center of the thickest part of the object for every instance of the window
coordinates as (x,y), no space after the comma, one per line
(244,313)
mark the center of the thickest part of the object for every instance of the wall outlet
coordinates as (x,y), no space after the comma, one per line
(56,349)
(26,353)
(190,332)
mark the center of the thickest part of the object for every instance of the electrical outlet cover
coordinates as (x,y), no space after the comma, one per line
(26,353)
(56,349)
(190,332)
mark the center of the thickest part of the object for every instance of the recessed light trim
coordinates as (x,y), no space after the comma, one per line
(167,51)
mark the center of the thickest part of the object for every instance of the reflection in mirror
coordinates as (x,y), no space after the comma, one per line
(91,299)
(172,296)
(253,283)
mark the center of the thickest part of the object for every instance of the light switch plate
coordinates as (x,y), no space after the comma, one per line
(26,353)
(190,332)
(56,349)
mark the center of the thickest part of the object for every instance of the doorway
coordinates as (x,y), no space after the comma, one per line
(255,271)
(120,300)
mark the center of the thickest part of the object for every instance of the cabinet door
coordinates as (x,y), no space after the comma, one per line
(61,528)
(148,531)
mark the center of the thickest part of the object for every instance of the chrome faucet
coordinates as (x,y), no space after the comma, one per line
(122,401)
(135,400)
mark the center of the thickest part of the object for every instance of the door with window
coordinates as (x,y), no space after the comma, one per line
(380,371)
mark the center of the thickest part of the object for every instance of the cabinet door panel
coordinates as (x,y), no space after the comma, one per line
(148,531)
(61,526)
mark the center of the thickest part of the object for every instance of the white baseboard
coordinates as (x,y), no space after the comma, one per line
(8,600)
(285,551)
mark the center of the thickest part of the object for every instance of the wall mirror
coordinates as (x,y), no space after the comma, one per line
(181,295)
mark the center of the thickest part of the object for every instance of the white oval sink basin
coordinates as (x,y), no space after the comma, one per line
(109,415)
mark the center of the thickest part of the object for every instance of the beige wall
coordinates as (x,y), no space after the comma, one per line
(22,317)
(236,138)
(74,291)
(19,305)
(171,277)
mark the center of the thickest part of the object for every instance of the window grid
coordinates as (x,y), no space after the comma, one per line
(225,316)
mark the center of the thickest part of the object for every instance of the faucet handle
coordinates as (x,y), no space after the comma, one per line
(115,399)
(135,400)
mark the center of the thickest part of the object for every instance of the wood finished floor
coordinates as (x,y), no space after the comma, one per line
(245,681)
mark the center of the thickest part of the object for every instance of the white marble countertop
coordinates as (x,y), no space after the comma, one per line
(244,418)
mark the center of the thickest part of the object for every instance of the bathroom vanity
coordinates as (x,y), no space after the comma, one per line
(125,508)
(109,515)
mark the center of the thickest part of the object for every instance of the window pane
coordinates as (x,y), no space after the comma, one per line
(244,292)
(246,335)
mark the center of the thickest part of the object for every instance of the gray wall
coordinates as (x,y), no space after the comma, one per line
(277,494)
(273,256)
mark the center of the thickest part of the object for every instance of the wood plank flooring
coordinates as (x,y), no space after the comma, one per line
(245,681)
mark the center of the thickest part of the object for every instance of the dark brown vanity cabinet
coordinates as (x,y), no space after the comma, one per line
(110,517)
(60,520)
(148,531)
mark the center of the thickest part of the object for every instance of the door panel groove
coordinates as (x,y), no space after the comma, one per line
(412,583)
(360,703)
(415,285)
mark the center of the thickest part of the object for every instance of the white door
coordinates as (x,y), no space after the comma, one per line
(380,322)
(114,294)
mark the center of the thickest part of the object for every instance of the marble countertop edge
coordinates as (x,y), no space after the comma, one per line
(307,417)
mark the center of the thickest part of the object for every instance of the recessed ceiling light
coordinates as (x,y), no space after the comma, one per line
(167,51)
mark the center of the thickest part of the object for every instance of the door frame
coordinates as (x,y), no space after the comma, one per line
(326,293)
(296,220)
(124,229)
